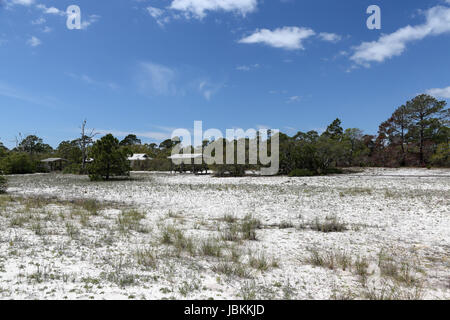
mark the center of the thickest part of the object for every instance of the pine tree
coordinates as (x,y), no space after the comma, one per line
(426,115)
(109,159)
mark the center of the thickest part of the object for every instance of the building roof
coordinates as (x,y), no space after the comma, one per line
(53,160)
(139,156)
(186,156)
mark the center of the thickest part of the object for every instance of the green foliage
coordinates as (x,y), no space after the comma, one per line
(442,155)
(33,144)
(3,184)
(3,150)
(17,163)
(74,168)
(70,150)
(130,140)
(109,159)
(412,134)
(334,130)
(316,154)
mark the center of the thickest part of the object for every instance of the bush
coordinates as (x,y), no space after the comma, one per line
(3,184)
(18,163)
(302,173)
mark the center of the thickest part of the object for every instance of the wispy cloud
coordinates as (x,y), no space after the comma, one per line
(34,41)
(50,10)
(90,81)
(18,94)
(20,2)
(394,44)
(85,23)
(208,89)
(159,15)
(159,80)
(156,79)
(199,8)
(39,21)
(330,37)
(440,92)
(293,99)
(247,67)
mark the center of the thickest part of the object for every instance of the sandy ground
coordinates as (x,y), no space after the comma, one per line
(162,236)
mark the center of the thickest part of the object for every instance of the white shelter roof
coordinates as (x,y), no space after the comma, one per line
(139,156)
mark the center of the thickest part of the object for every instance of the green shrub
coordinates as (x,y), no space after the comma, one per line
(302,173)
(18,163)
(3,184)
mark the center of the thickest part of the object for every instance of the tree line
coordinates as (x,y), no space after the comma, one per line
(416,134)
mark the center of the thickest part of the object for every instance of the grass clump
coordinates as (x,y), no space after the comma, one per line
(232,269)
(72,230)
(329,225)
(175,237)
(249,226)
(211,247)
(131,220)
(146,258)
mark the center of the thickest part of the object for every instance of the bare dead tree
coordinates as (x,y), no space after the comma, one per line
(85,141)
(18,141)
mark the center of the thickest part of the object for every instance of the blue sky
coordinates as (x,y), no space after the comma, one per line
(147,67)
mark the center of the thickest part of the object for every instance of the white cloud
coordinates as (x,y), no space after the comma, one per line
(198,8)
(159,15)
(289,38)
(394,44)
(22,2)
(50,10)
(330,37)
(34,42)
(440,92)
